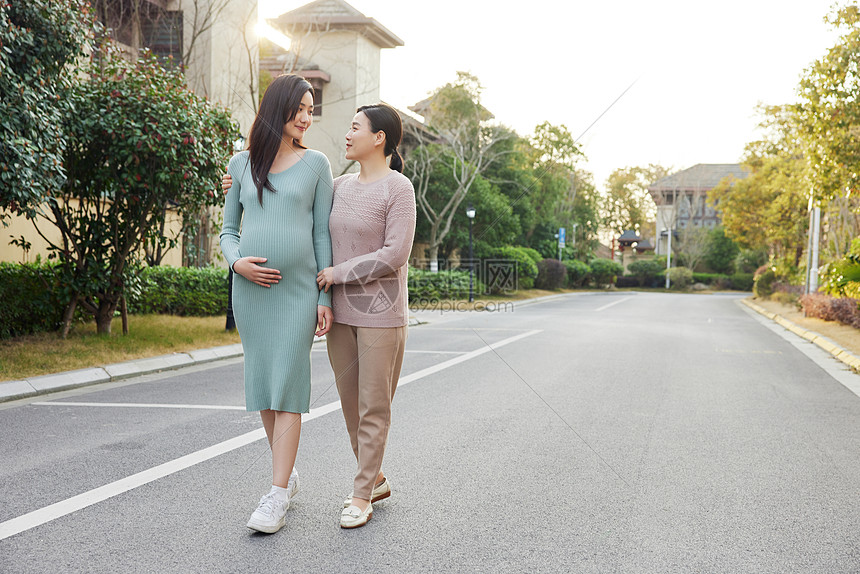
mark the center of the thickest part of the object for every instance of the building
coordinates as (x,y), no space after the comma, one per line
(681,199)
(337,49)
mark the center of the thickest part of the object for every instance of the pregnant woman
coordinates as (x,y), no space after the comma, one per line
(276,239)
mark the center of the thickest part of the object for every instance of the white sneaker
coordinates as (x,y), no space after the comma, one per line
(270,514)
(293,484)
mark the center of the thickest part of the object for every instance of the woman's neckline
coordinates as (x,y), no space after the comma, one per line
(375,181)
(301,154)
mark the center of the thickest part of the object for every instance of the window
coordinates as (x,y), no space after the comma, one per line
(163,35)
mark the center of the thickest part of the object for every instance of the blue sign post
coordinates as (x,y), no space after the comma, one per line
(561,233)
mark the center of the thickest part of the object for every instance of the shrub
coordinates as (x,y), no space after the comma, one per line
(525,266)
(578,273)
(784,297)
(30,299)
(707,278)
(186,291)
(533,253)
(627,281)
(427,286)
(742,281)
(841,278)
(645,271)
(841,309)
(722,282)
(721,251)
(748,260)
(680,277)
(552,274)
(605,271)
(763,281)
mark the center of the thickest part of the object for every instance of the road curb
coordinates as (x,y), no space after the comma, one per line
(821,341)
(44,384)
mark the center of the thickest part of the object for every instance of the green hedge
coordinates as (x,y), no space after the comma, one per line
(552,274)
(426,286)
(521,257)
(186,291)
(30,299)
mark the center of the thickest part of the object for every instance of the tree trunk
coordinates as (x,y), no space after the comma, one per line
(434,261)
(434,248)
(104,317)
(68,315)
(124,312)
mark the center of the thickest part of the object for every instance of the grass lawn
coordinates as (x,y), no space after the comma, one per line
(149,336)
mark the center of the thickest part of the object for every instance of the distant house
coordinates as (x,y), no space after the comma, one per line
(633,241)
(681,199)
(337,49)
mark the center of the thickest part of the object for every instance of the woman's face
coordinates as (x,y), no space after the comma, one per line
(299,125)
(360,140)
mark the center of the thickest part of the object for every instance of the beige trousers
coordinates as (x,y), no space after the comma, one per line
(366,362)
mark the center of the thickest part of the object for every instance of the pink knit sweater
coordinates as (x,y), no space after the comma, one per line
(372,227)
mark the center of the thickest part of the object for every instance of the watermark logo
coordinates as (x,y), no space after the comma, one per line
(500,275)
(450,289)
(381,298)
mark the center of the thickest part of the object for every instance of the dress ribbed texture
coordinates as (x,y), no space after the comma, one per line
(372,227)
(277,323)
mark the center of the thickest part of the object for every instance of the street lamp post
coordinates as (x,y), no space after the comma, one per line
(470,213)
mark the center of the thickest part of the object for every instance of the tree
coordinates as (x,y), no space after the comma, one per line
(829,113)
(626,203)
(768,208)
(721,251)
(138,140)
(495,222)
(692,246)
(467,145)
(38,38)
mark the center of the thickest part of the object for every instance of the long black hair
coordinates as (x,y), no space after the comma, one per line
(279,106)
(384,118)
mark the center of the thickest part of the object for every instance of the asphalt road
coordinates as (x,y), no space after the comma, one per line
(603,433)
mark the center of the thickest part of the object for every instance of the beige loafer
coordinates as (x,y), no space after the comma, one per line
(380,492)
(353,517)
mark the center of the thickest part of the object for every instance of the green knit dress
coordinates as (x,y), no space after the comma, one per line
(290,230)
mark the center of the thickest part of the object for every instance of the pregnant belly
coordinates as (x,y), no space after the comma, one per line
(286,254)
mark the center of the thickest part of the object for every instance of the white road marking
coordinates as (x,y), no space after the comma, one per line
(96,495)
(439,352)
(613,303)
(139,405)
(419,352)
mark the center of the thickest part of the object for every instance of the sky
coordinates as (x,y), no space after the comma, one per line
(691,72)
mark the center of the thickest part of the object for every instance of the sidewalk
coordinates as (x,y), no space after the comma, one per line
(838,352)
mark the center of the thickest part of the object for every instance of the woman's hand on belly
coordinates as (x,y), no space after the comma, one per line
(249,268)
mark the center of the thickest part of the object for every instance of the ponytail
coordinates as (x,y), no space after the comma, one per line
(396,161)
